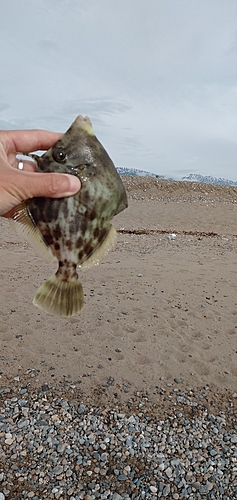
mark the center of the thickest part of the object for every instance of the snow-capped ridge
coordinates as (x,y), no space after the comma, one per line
(208,179)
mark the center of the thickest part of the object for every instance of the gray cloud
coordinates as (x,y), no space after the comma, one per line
(157,78)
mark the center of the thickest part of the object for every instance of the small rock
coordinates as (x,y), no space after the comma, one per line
(9,441)
(23,423)
(81,409)
(169,472)
(8,435)
(57,470)
(103,472)
(209,485)
(122,477)
(166,490)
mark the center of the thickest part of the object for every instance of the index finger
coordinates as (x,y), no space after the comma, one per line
(26,141)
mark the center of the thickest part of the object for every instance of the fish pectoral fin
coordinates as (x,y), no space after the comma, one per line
(60,298)
(106,246)
(23,225)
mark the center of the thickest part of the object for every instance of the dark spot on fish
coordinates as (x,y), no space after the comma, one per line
(57,232)
(48,237)
(88,249)
(72,229)
(56,246)
(65,209)
(69,244)
(81,255)
(85,198)
(91,215)
(79,242)
(48,214)
(67,271)
(102,234)
(83,225)
(96,232)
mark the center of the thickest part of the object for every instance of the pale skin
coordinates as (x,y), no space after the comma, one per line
(19,185)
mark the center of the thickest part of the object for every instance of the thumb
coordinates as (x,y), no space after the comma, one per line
(52,185)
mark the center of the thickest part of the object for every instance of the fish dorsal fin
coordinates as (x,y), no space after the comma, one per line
(23,225)
(106,246)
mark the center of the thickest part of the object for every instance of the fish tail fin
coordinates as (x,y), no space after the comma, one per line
(60,298)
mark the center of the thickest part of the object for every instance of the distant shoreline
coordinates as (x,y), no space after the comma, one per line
(207,179)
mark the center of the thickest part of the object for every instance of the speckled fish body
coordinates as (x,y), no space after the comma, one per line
(76,230)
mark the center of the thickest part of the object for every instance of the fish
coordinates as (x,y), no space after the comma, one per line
(77,230)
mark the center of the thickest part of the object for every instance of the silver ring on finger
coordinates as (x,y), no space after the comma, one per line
(20,165)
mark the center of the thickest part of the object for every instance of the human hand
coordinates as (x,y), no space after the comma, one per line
(19,185)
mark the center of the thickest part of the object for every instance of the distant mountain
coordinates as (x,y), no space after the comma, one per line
(208,179)
(136,172)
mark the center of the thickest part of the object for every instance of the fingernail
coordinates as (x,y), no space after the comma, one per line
(74,184)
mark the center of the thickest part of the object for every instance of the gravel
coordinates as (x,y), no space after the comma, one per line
(150,188)
(58,444)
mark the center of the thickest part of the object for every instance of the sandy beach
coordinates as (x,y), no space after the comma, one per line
(135,398)
(162,307)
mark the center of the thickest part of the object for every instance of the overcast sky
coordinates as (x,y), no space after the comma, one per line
(158,78)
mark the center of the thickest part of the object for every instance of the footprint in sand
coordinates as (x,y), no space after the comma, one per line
(129,328)
(233,369)
(119,356)
(181,358)
(233,331)
(201,368)
(143,360)
(3,327)
(211,359)
(138,337)
(7,337)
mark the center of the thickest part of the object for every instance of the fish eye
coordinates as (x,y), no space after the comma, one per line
(59,155)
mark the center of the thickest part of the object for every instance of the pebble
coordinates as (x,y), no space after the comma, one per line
(8,441)
(233,439)
(77,450)
(172,236)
